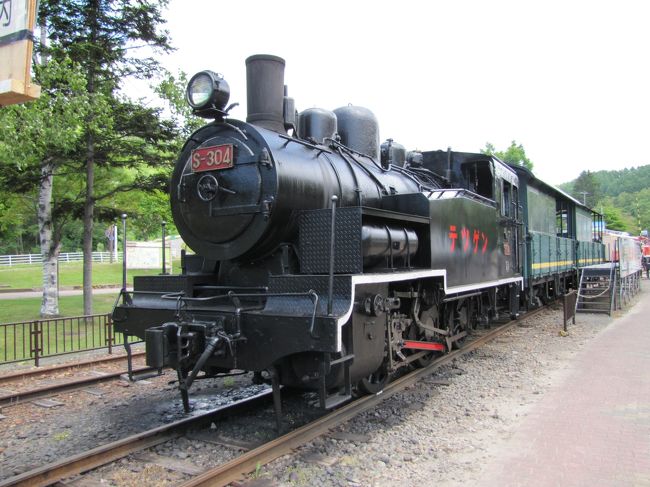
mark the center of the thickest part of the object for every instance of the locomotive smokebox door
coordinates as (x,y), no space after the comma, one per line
(224,192)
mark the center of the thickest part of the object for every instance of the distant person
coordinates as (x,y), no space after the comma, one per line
(645,263)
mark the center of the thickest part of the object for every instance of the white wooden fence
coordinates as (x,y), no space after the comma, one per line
(11,260)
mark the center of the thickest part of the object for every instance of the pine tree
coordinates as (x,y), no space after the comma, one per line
(104,38)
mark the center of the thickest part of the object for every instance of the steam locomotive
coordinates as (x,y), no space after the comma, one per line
(326,261)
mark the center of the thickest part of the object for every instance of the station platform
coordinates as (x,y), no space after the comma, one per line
(593,429)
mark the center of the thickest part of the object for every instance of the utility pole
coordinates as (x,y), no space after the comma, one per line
(123,254)
(164,266)
(584,197)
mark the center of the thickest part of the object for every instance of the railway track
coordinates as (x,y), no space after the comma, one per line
(28,373)
(254,458)
(16,398)
(19,397)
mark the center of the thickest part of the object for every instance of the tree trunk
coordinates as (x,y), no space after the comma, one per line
(89,209)
(50,247)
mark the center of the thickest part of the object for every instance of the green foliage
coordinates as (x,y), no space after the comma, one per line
(133,146)
(171,89)
(92,47)
(514,154)
(586,189)
(48,127)
(613,216)
(635,207)
(628,180)
(104,37)
(45,130)
(18,226)
(623,196)
(146,211)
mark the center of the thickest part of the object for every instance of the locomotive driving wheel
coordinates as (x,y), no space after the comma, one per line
(376,381)
(459,320)
(457,325)
(423,330)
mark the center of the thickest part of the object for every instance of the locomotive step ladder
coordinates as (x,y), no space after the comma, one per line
(344,394)
(598,289)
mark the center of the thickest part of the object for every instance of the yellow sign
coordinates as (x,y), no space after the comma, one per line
(17,18)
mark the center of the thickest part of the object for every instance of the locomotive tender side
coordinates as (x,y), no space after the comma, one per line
(323,261)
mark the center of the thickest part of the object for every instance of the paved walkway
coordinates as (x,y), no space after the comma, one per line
(62,292)
(594,428)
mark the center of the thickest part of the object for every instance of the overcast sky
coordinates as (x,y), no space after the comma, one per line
(569,80)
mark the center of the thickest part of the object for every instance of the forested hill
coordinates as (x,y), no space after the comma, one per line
(623,196)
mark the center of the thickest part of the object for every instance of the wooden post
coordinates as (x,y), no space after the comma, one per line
(36,341)
(17,19)
(108,324)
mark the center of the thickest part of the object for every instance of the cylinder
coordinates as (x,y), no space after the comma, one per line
(359,130)
(383,241)
(317,124)
(265,91)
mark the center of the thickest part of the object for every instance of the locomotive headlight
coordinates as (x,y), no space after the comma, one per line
(208,93)
(199,90)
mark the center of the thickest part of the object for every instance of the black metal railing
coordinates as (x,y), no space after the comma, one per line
(33,340)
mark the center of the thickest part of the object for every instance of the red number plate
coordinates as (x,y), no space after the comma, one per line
(212,158)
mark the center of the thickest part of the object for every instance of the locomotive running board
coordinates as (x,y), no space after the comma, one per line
(419,274)
(416,345)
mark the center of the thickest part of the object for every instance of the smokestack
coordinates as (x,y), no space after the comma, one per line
(265,91)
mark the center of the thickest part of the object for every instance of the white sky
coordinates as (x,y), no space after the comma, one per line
(570,80)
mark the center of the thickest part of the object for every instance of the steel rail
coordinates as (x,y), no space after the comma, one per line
(248,462)
(31,394)
(68,467)
(24,374)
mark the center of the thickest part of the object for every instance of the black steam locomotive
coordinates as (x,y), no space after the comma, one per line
(324,260)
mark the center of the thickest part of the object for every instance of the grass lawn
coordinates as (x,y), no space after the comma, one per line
(26,309)
(76,335)
(70,274)
(14,341)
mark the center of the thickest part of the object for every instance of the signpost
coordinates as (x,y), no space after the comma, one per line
(17,19)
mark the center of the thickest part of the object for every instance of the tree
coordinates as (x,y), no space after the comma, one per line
(18,224)
(171,90)
(515,154)
(102,35)
(613,218)
(36,143)
(623,196)
(586,189)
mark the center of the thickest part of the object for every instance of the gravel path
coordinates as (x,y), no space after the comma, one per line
(440,431)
